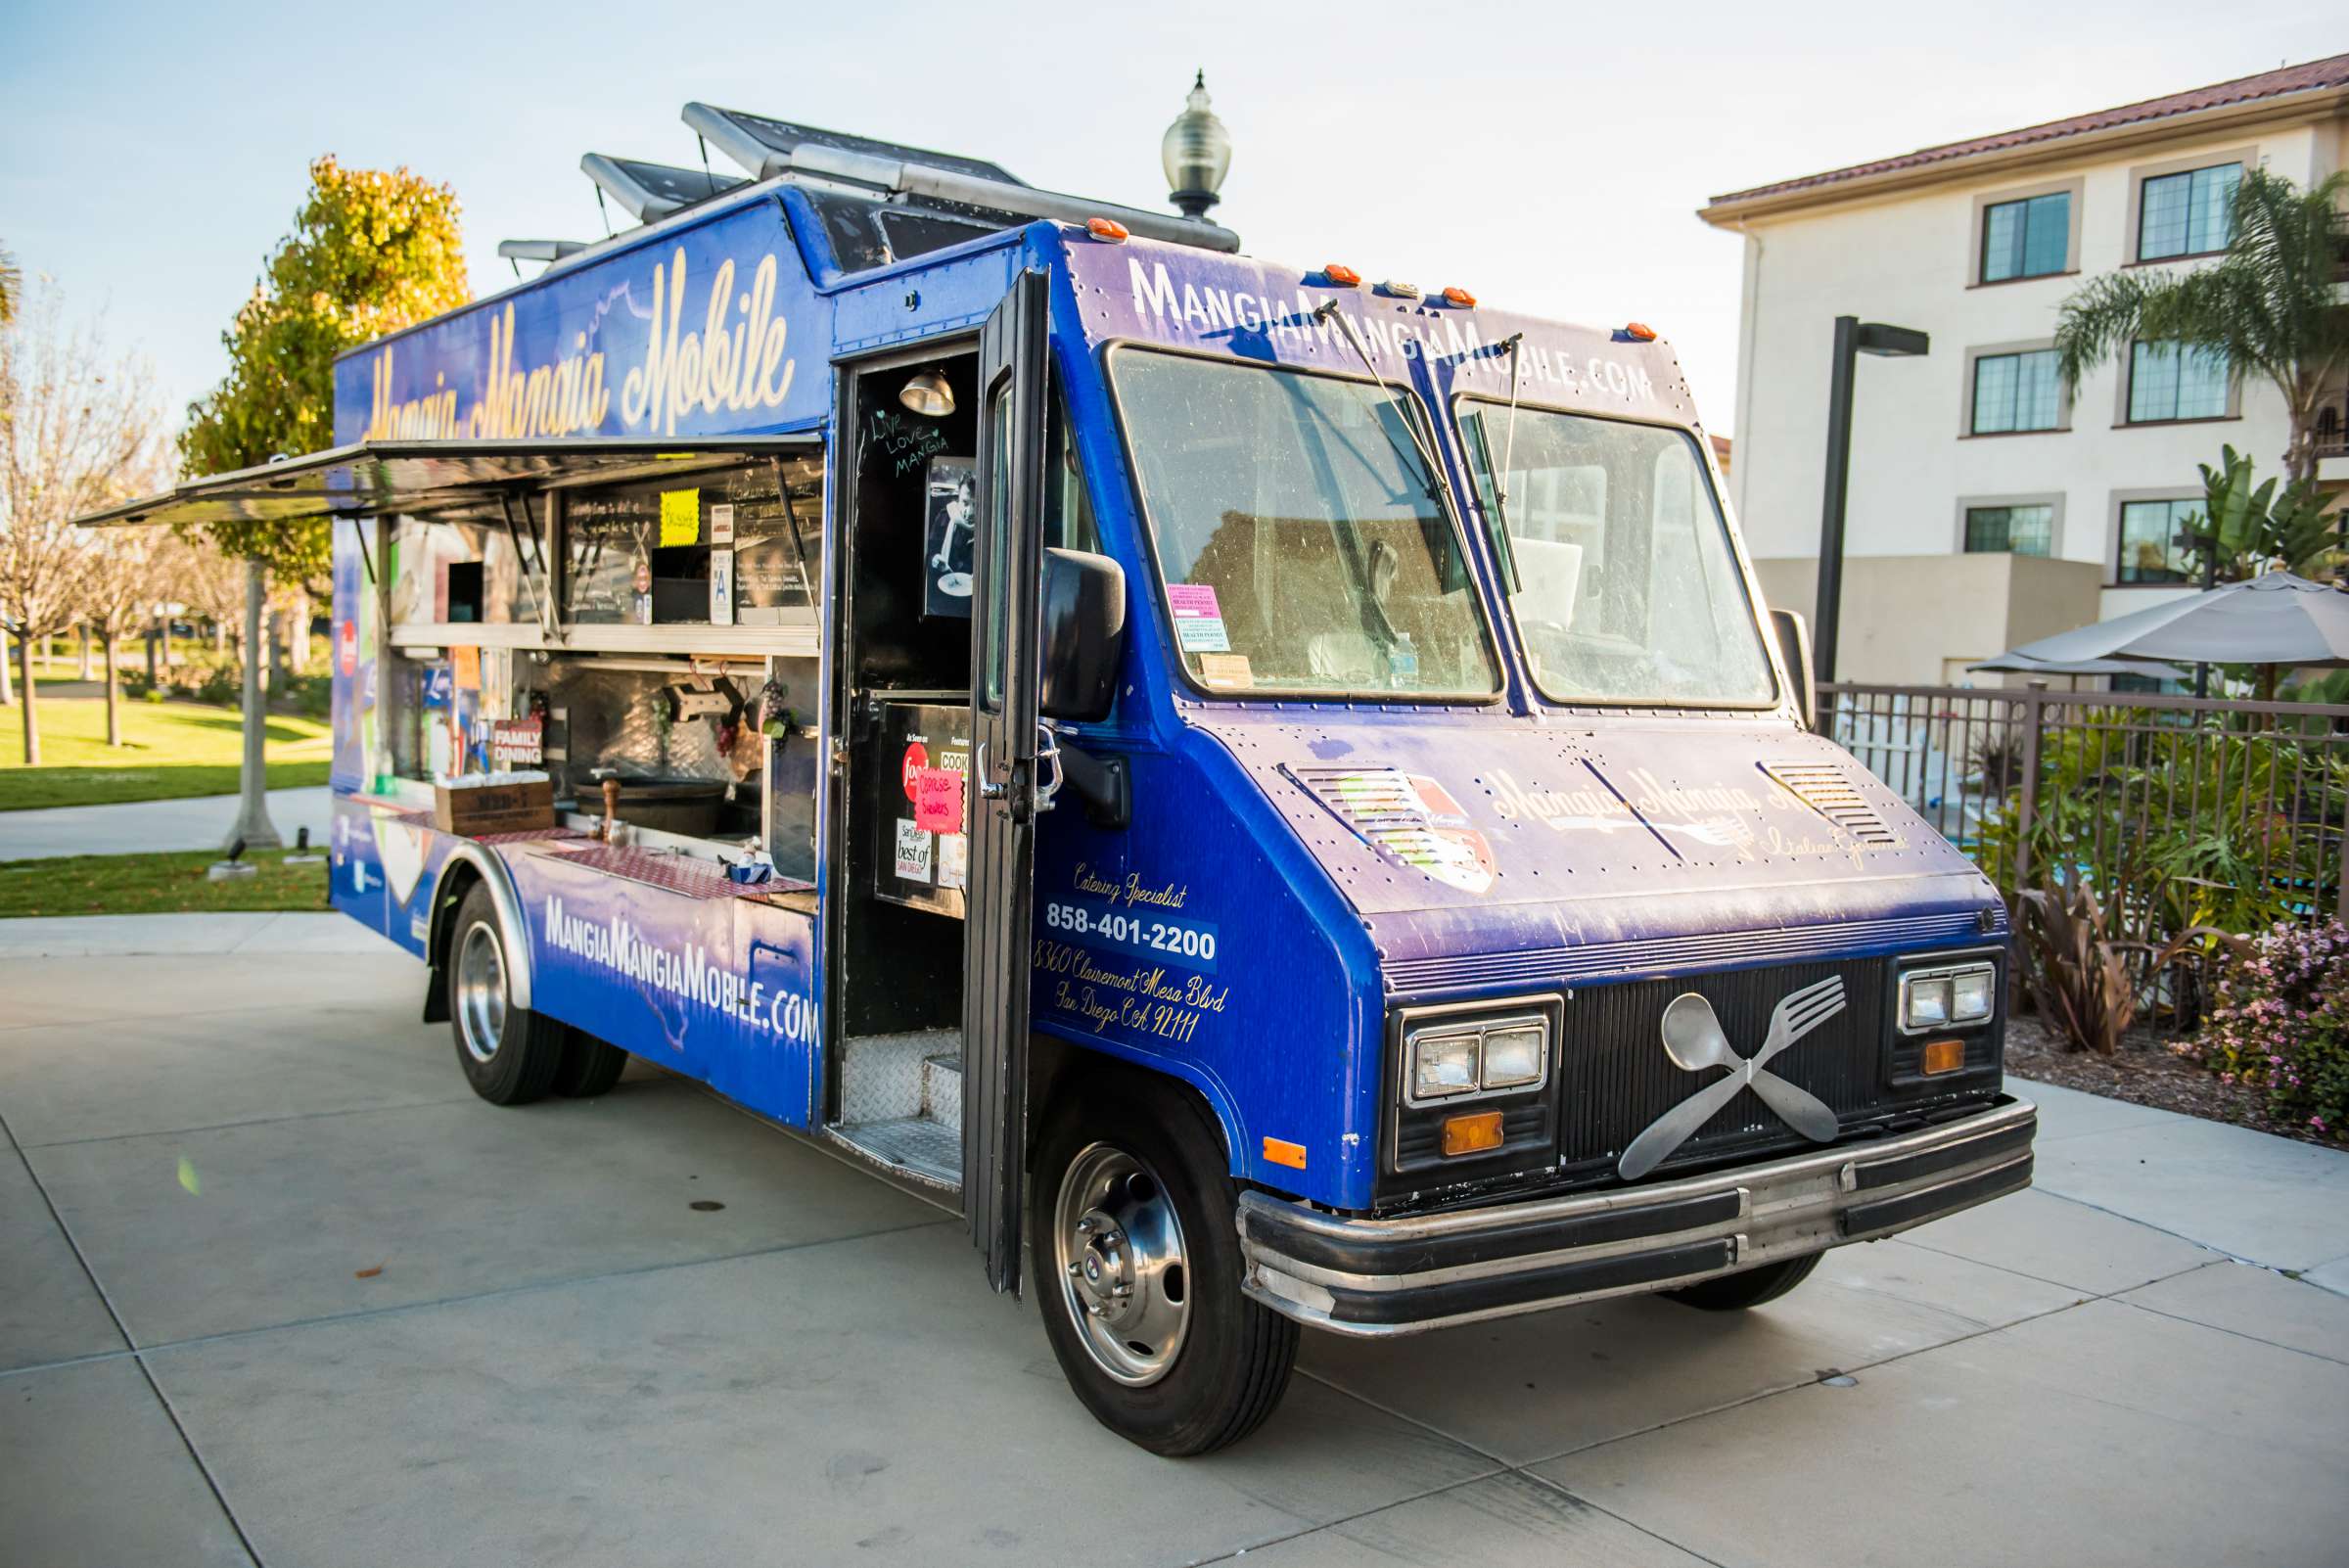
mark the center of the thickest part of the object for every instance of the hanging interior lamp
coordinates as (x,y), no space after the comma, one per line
(927,394)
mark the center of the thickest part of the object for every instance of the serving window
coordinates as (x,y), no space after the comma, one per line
(652,626)
(735,546)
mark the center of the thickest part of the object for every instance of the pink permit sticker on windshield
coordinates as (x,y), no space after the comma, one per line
(1198,617)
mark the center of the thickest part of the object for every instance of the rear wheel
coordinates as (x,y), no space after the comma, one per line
(509,1053)
(1131,1222)
(1748,1287)
(589,1066)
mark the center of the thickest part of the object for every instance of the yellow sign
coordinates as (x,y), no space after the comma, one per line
(680,518)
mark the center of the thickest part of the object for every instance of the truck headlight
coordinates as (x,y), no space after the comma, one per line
(1489,1056)
(1445,1064)
(1515,1055)
(1938,998)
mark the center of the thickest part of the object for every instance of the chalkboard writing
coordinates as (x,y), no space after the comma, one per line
(902,446)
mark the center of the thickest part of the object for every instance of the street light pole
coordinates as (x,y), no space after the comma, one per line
(1853,338)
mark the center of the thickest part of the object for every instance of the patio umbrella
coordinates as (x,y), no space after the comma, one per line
(2275,619)
(2020,663)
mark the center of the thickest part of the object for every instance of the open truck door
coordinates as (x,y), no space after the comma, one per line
(1007,739)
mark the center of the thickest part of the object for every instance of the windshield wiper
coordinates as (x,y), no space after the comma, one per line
(1327,310)
(1500,476)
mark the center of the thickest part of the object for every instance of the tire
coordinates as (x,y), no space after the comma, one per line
(1748,1287)
(589,1066)
(1140,1163)
(509,1053)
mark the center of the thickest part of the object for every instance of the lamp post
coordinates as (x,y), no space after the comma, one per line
(1853,338)
(1196,152)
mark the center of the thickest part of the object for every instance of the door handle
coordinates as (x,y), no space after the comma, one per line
(1048,749)
(989,789)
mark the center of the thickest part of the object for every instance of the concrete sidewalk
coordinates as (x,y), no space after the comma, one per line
(196,822)
(278,1289)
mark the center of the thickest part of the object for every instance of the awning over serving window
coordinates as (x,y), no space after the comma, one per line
(372,478)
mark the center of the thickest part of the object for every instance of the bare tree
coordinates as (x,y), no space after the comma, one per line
(126,572)
(79,431)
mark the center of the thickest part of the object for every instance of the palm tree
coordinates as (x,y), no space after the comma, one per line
(2267,303)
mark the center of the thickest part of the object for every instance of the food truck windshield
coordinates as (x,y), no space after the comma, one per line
(1304,544)
(1615,558)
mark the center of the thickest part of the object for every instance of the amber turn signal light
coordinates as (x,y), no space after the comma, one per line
(1945,1057)
(1471,1134)
(1108,229)
(1280,1151)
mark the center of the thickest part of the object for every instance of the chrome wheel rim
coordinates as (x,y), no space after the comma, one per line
(1119,1255)
(481,993)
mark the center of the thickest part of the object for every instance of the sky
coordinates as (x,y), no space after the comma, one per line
(1549,159)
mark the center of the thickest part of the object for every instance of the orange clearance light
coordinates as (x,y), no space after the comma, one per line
(1945,1057)
(1460,297)
(1108,229)
(1340,275)
(1471,1134)
(1280,1151)
(1639,331)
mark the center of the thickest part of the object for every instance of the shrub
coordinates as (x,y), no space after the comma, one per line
(2079,979)
(224,685)
(2281,1024)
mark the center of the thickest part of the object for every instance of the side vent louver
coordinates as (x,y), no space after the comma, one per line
(1827,790)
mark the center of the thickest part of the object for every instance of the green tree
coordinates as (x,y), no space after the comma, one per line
(2267,303)
(2246,528)
(370,253)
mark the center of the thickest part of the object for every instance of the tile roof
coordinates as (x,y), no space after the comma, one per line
(2332,72)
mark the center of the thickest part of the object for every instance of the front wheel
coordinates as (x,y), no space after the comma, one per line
(1131,1222)
(1747,1287)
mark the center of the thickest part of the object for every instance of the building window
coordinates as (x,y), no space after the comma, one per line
(2010,530)
(2027,239)
(2153,545)
(2167,382)
(2191,213)
(2015,392)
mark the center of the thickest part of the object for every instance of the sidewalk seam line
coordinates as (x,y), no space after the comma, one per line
(1504,1467)
(146,1373)
(258,1120)
(467,1298)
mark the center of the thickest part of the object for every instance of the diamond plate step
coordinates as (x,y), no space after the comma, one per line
(913,1144)
(942,1090)
(882,1075)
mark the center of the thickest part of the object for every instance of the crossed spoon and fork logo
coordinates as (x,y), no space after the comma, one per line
(1695,1041)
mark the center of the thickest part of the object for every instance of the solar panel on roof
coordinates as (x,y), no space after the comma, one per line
(649,192)
(750,139)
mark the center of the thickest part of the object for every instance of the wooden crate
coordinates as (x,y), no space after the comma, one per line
(480,808)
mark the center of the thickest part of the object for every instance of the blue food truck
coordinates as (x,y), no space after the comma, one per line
(1280,790)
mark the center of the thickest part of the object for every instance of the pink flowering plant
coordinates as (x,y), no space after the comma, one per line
(2281,1024)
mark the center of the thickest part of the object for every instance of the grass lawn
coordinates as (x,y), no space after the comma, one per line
(168,750)
(155,884)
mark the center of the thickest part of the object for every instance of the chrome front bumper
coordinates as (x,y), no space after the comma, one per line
(1378,1277)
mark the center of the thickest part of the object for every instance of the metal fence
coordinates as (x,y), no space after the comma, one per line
(2179,811)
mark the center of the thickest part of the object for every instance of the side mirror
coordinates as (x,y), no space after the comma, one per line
(1794,652)
(1083,629)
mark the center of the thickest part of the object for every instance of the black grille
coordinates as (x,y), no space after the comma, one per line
(1615,1078)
